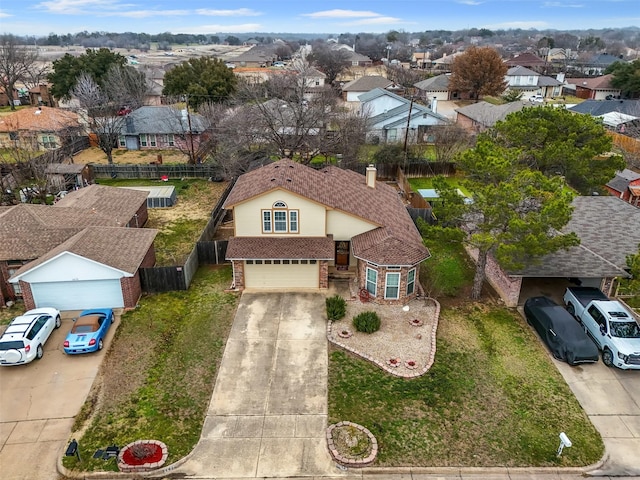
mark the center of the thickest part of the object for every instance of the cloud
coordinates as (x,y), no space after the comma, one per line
(373,21)
(561,5)
(76,7)
(206,29)
(148,13)
(337,13)
(4,14)
(239,12)
(470,2)
(525,25)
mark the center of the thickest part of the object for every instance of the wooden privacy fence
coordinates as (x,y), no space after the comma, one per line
(156,171)
(205,251)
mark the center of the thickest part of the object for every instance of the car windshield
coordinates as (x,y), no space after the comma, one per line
(11,345)
(83,329)
(625,329)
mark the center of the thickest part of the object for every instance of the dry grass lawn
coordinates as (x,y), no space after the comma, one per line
(95,155)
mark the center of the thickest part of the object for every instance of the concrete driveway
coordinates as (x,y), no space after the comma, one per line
(268,412)
(38,402)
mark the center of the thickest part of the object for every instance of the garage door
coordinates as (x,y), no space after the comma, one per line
(78,295)
(281,276)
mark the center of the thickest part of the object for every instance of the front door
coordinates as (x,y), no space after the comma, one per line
(342,254)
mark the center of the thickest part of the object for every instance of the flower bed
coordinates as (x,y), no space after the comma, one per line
(142,456)
(351,444)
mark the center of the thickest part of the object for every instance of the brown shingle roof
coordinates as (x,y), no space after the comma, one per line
(39,119)
(597,83)
(119,204)
(120,248)
(346,191)
(314,248)
(367,83)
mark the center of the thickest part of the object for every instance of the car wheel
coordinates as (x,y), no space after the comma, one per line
(58,322)
(607,357)
(571,309)
(100,344)
(39,352)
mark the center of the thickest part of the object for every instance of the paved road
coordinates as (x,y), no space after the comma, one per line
(268,412)
(37,404)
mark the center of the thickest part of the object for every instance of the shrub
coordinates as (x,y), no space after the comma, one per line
(367,322)
(336,307)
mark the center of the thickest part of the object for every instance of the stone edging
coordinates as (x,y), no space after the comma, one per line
(383,364)
(123,467)
(352,462)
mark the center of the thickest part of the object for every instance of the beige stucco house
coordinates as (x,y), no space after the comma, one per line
(295,227)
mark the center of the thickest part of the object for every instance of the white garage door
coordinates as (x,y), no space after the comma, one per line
(281,276)
(78,295)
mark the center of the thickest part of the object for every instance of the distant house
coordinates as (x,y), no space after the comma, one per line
(353,89)
(421,59)
(615,114)
(597,64)
(257,56)
(438,88)
(41,95)
(443,64)
(626,186)
(393,118)
(527,60)
(598,88)
(161,127)
(40,128)
(480,116)
(530,83)
(7,100)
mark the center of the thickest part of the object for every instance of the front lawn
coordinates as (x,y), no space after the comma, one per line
(427,182)
(158,376)
(492,398)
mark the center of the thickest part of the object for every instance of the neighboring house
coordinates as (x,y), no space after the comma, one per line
(421,59)
(598,88)
(626,186)
(390,115)
(68,176)
(295,226)
(257,56)
(39,128)
(527,60)
(597,64)
(443,64)
(560,56)
(438,88)
(530,83)
(5,101)
(41,95)
(480,116)
(353,89)
(615,114)
(605,227)
(353,58)
(77,253)
(162,127)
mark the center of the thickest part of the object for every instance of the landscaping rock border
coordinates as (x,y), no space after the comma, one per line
(348,461)
(123,467)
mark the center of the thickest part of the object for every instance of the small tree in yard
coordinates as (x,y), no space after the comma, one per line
(16,61)
(478,71)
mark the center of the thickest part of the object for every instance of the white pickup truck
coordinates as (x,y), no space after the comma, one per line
(609,324)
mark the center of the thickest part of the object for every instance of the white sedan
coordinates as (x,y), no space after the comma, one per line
(23,340)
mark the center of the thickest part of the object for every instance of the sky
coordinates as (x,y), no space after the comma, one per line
(40,18)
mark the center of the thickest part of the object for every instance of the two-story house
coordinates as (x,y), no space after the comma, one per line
(294,226)
(531,83)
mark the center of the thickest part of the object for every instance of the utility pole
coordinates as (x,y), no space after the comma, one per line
(193,158)
(406,132)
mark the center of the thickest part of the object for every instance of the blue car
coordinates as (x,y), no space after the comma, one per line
(89,331)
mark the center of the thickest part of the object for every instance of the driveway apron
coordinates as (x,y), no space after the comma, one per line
(268,412)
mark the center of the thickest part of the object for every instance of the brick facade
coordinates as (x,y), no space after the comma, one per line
(381,283)
(238,274)
(27,295)
(324,274)
(507,287)
(131,290)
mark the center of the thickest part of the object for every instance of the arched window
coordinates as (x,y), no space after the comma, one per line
(279,219)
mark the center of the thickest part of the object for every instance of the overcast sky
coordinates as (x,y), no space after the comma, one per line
(29,17)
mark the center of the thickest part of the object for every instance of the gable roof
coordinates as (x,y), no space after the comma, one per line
(117,204)
(162,120)
(526,59)
(439,83)
(39,119)
(395,241)
(621,181)
(519,70)
(593,83)
(604,60)
(605,227)
(488,114)
(602,107)
(406,104)
(367,83)
(121,248)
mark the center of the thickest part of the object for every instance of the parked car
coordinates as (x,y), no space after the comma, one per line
(536,98)
(279,64)
(559,330)
(23,340)
(230,65)
(89,331)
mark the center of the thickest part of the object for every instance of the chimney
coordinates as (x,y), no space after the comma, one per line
(371,176)
(434,105)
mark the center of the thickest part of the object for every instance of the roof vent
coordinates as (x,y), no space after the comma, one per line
(290,166)
(273,179)
(288,179)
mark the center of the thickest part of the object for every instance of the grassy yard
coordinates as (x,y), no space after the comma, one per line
(424,182)
(157,378)
(492,398)
(181,225)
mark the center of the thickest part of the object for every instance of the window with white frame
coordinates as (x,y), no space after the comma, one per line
(280,219)
(170,140)
(153,142)
(392,134)
(392,286)
(49,141)
(122,142)
(372,281)
(144,141)
(16,286)
(411,281)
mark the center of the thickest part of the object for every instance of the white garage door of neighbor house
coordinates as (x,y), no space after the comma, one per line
(281,276)
(78,295)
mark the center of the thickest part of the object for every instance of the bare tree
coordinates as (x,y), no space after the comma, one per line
(36,74)
(15,62)
(347,135)
(448,141)
(105,106)
(405,76)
